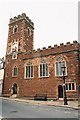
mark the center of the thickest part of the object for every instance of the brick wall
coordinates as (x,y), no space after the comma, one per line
(26,53)
(49,85)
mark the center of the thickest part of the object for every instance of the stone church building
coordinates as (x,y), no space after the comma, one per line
(29,72)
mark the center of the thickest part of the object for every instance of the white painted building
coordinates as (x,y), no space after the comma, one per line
(1,75)
(1,79)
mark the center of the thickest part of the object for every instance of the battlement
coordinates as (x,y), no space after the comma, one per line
(21,17)
(58,46)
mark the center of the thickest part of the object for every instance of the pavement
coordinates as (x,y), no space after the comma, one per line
(58,103)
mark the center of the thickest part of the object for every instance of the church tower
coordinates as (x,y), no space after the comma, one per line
(20,35)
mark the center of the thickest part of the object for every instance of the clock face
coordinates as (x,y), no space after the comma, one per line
(14,47)
(14,55)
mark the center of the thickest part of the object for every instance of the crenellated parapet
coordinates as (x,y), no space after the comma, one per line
(21,17)
(56,48)
(59,46)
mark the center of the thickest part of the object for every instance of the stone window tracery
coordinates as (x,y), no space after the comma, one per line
(43,70)
(58,64)
(29,71)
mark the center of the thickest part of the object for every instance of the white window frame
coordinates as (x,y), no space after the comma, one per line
(25,77)
(59,69)
(16,26)
(13,72)
(42,71)
(71,86)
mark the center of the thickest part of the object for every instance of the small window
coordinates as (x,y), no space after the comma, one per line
(28,31)
(15,71)
(43,70)
(70,86)
(15,29)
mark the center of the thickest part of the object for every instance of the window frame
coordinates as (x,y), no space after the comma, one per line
(25,73)
(13,72)
(59,68)
(29,31)
(45,70)
(70,83)
(16,26)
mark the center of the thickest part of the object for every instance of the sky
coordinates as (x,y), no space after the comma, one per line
(55,21)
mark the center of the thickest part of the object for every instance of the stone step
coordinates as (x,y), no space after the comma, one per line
(14,96)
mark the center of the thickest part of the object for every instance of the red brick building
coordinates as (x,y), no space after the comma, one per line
(29,72)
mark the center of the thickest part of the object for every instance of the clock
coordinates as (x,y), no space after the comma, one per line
(14,55)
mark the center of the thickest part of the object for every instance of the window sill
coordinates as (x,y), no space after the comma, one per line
(70,90)
(44,77)
(60,76)
(29,78)
(14,76)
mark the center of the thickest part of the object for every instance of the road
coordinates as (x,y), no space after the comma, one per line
(13,109)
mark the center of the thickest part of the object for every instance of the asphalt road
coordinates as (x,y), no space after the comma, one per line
(13,109)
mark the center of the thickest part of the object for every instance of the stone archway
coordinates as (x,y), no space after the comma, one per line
(60,91)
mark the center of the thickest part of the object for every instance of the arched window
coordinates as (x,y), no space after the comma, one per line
(15,29)
(15,71)
(28,30)
(58,64)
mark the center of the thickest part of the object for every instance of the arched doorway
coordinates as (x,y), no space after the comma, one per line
(14,88)
(60,91)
